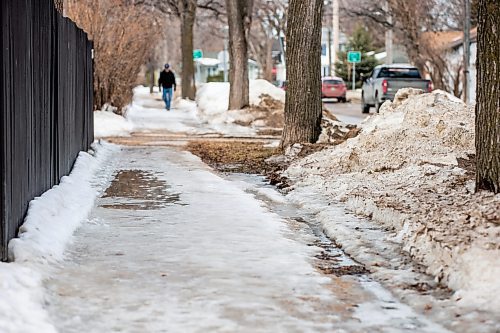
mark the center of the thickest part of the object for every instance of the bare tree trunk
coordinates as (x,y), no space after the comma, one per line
(239,20)
(303,108)
(268,68)
(187,17)
(488,97)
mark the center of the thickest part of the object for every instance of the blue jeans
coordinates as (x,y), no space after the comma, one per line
(167,96)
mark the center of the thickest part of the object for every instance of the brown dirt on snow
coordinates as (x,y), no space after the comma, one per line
(270,112)
(233,156)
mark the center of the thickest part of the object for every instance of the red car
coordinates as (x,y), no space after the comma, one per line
(333,87)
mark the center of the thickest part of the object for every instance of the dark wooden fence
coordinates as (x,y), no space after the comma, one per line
(46,104)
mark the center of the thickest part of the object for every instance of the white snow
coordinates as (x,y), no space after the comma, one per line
(47,229)
(213,103)
(21,299)
(107,123)
(213,97)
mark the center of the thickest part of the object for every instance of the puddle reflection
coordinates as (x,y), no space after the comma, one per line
(139,190)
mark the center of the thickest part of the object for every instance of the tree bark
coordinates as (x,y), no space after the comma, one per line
(187,16)
(239,13)
(303,106)
(488,97)
(268,68)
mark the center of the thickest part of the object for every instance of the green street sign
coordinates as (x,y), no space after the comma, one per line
(197,54)
(354,56)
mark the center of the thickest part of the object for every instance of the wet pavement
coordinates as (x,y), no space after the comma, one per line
(171,246)
(349,113)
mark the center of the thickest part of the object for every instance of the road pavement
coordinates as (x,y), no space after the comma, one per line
(347,112)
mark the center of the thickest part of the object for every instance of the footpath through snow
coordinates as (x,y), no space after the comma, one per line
(208,115)
(173,247)
(409,170)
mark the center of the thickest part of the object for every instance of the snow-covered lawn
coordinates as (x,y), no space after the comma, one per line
(48,227)
(405,171)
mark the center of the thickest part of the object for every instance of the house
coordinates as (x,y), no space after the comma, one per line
(326,45)
(455,54)
(446,60)
(206,67)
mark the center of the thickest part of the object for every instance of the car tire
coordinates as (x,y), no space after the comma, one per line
(377,106)
(343,100)
(365,108)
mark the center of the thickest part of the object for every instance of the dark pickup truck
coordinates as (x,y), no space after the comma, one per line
(386,80)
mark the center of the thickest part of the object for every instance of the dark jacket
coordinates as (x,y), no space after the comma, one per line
(167,79)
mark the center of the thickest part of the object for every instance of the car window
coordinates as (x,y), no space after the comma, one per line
(400,73)
(333,81)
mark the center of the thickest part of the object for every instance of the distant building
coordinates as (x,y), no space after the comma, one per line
(455,55)
(326,38)
(449,46)
(206,67)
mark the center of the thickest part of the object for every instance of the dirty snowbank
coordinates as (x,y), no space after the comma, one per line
(48,227)
(405,170)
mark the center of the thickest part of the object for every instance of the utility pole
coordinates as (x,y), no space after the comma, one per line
(336,32)
(330,62)
(225,31)
(389,58)
(466,52)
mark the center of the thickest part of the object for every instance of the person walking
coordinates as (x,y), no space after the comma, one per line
(167,82)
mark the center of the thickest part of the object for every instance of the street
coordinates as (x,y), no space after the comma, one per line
(349,113)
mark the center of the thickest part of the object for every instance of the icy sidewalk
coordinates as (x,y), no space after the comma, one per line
(147,115)
(172,247)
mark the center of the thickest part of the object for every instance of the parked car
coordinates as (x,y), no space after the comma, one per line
(333,87)
(386,80)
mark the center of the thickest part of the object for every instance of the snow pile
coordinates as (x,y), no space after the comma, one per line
(433,128)
(21,299)
(334,131)
(213,98)
(266,105)
(405,170)
(107,123)
(48,227)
